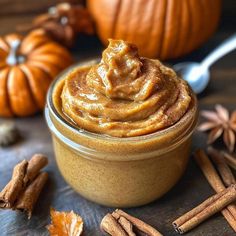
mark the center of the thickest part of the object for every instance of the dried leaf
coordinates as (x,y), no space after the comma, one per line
(211,115)
(207,126)
(229,139)
(214,134)
(222,112)
(65,224)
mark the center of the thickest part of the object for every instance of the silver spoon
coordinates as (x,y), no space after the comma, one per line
(198,74)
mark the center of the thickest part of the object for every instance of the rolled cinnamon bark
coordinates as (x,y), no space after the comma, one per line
(127,226)
(208,208)
(214,180)
(29,197)
(36,163)
(231,160)
(208,170)
(111,226)
(139,224)
(23,190)
(187,216)
(224,170)
(12,190)
(120,223)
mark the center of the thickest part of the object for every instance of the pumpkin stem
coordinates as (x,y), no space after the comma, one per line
(13,57)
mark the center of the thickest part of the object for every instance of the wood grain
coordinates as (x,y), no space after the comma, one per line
(189,192)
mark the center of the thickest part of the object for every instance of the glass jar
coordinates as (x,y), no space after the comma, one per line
(118,172)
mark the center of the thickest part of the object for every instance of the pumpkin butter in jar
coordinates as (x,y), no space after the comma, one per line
(121,127)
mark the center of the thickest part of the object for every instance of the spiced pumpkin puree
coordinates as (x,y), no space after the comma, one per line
(125,95)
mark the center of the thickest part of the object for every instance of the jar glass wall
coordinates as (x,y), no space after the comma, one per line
(118,172)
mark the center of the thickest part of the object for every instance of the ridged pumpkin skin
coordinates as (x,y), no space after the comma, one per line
(160,28)
(27,70)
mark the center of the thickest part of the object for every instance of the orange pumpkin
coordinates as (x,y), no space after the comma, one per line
(160,28)
(27,67)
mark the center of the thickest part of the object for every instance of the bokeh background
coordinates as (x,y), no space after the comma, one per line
(17,12)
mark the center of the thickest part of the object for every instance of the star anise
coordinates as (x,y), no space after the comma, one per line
(220,122)
(63,22)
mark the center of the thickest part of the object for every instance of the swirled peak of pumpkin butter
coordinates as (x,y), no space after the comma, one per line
(125,95)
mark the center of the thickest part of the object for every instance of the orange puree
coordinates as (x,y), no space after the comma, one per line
(125,95)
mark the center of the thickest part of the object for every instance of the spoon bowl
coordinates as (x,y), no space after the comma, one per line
(196,76)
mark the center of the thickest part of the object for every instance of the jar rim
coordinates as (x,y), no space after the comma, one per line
(90,134)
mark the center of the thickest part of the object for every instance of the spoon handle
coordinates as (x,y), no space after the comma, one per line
(224,48)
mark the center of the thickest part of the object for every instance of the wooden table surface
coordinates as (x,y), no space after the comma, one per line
(191,190)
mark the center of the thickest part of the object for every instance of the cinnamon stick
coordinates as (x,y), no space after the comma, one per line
(214,180)
(29,197)
(36,163)
(140,225)
(224,170)
(208,170)
(231,160)
(26,183)
(121,223)
(111,226)
(11,191)
(187,216)
(127,226)
(208,208)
